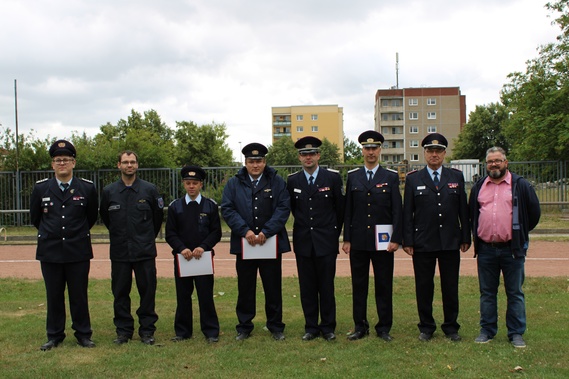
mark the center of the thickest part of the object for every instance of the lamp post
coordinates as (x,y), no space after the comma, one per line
(239,154)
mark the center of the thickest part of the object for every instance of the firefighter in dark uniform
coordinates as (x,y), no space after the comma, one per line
(436,228)
(64,209)
(193,226)
(256,205)
(132,210)
(372,198)
(317,203)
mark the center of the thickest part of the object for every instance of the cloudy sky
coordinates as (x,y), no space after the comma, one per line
(81,64)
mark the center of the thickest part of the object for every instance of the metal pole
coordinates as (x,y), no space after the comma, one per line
(18,182)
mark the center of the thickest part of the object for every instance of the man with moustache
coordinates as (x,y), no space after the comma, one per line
(372,198)
(435,229)
(256,205)
(317,203)
(504,208)
(64,209)
(132,210)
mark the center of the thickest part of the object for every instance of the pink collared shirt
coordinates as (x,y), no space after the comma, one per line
(495,220)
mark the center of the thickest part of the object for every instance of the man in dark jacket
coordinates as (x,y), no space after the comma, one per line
(256,205)
(372,199)
(435,229)
(317,203)
(503,208)
(192,228)
(64,209)
(132,210)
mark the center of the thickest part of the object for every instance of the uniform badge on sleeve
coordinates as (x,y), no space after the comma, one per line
(160,202)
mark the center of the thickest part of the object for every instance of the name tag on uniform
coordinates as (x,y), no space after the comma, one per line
(297,190)
(421,187)
(114,207)
(46,199)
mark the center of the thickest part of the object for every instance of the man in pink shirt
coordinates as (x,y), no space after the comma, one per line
(503,209)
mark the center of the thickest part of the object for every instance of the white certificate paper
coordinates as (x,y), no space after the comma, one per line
(383,236)
(195,267)
(266,251)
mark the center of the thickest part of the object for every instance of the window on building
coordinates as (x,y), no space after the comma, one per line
(315,128)
(413,115)
(413,102)
(385,130)
(314,117)
(413,143)
(384,103)
(431,101)
(286,130)
(414,157)
(300,129)
(384,116)
(277,130)
(432,115)
(413,129)
(299,117)
(395,102)
(431,129)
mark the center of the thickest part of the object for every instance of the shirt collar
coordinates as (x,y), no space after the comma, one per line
(258,179)
(59,181)
(198,199)
(314,174)
(374,170)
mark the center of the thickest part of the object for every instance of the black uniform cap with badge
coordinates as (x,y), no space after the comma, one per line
(308,145)
(254,151)
(193,173)
(371,138)
(62,147)
(434,141)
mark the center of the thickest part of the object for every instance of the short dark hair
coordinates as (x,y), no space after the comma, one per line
(127,152)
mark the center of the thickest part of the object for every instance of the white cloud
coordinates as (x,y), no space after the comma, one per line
(81,64)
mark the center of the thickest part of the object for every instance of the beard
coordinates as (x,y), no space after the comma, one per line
(497,174)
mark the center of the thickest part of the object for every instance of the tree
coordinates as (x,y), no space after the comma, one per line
(202,145)
(282,153)
(483,130)
(352,152)
(33,153)
(329,153)
(537,99)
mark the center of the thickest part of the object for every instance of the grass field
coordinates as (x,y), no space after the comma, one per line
(22,325)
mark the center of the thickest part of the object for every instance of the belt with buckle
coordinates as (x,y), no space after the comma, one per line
(498,245)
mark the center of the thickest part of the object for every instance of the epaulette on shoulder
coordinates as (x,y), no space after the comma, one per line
(456,169)
(86,180)
(42,180)
(294,173)
(213,201)
(172,202)
(392,170)
(411,172)
(353,170)
(332,170)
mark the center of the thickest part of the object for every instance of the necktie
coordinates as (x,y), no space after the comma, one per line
(310,181)
(64,186)
(370,173)
(255,183)
(436,179)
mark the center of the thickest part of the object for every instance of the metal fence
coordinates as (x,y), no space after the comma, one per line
(549,178)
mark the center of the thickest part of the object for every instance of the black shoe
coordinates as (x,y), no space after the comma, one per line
(147,339)
(85,342)
(425,336)
(454,337)
(329,336)
(50,344)
(179,339)
(121,339)
(309,336)
(241,336)
(212,339)
(358,335)
(278,336)
(385,336)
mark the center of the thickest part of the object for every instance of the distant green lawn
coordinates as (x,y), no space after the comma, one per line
(22,325)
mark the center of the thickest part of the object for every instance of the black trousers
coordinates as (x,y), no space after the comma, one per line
(121,284)
(270,271)
(382,263)
(449,268)
(76,277)
(316,280)
(183,325)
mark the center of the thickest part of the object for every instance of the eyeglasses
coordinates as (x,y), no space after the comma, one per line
(126,163)
(62,161)
(495,161)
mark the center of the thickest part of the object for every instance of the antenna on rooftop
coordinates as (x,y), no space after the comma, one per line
(397,70)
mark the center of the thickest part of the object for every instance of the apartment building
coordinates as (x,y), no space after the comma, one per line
(321,121)
(405,116)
